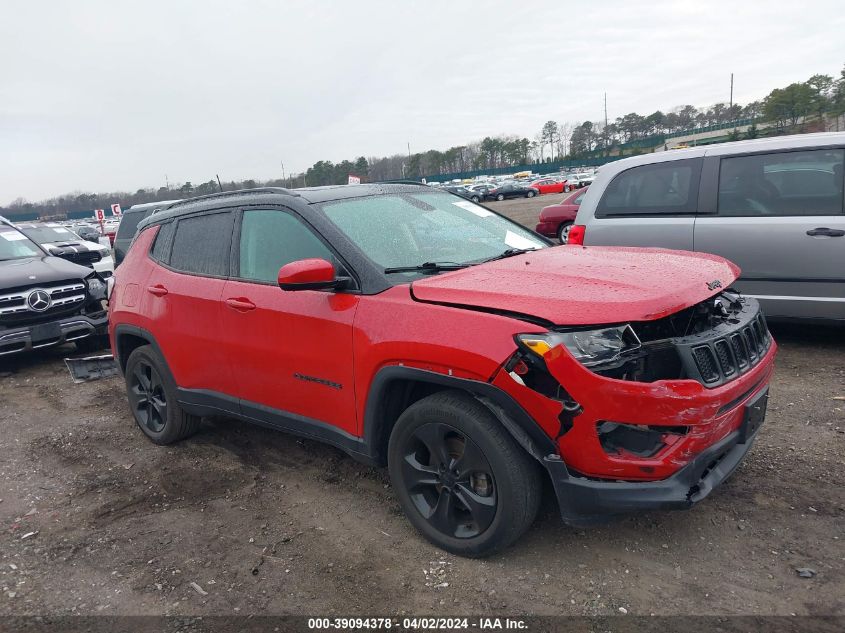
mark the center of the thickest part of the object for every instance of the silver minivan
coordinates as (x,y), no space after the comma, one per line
(773,206)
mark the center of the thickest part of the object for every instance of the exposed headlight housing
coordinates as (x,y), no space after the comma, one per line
(590,347)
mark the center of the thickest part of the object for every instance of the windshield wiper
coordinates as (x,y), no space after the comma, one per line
(509,253)
(426,267)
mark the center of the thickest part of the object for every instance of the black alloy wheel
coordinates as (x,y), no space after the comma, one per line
(148,399)
(449,480)
(152,395)
(460,477)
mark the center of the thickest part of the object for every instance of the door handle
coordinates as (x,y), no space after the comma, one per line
(823,230)
(158,290)
(240,304)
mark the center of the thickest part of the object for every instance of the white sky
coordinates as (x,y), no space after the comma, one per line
(99,95)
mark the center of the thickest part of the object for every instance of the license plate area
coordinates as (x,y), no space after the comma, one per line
(755,414)
(45,333)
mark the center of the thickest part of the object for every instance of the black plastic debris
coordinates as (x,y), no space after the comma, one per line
(91,367)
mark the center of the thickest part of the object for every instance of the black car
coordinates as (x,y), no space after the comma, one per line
(129,223)
(88,233)
(463,192)
(512,190)
(47,300)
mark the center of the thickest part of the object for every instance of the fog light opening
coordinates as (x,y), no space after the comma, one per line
(617,438)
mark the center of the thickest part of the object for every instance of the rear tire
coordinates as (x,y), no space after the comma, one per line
(567,189)
(563,232)
(530,194)
(152,398)
(475,199)
(461,479)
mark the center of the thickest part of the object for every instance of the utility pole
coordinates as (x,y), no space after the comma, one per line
(605,110)
(283,170)
(166,183)
(605,124)
(731,107)
(218,182)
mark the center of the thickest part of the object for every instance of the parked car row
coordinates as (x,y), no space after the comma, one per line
(502,187)
(503,191)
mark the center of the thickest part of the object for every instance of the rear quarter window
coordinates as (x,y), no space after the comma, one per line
(161,246)
(666,188)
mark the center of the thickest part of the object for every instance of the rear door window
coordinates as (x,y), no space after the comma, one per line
(201,244)
(666,188)
(782,184)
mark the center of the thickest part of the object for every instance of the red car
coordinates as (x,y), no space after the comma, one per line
(432,335)
(547,185)
(556,219)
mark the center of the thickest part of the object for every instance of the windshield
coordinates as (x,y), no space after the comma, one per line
(47,234)
(15,245)
(409,229)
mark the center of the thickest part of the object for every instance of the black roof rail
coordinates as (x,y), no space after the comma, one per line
(226,194)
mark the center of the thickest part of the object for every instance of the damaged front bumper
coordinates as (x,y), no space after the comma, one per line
(627,445)
(585,501)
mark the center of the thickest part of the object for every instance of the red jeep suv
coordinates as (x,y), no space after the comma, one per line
(415,329)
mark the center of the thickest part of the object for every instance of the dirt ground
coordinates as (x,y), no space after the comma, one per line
(95,519)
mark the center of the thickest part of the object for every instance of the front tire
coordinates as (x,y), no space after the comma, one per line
(152,398)
(461,479)
(500,197)
(475,199)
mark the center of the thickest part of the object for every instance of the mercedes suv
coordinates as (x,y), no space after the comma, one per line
(46,300)
(415,329)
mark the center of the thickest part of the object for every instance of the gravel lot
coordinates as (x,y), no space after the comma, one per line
(241,520)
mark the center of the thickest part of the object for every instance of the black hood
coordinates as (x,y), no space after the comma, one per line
(32,271)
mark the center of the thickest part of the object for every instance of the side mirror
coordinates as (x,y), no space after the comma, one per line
(309,274)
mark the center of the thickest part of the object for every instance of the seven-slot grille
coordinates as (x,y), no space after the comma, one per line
(727,357)
(62,296)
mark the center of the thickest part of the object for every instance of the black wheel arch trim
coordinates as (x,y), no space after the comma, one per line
(508,411)
(124,329)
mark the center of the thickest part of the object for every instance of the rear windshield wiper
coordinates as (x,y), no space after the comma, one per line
(426,267)
(510,253)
